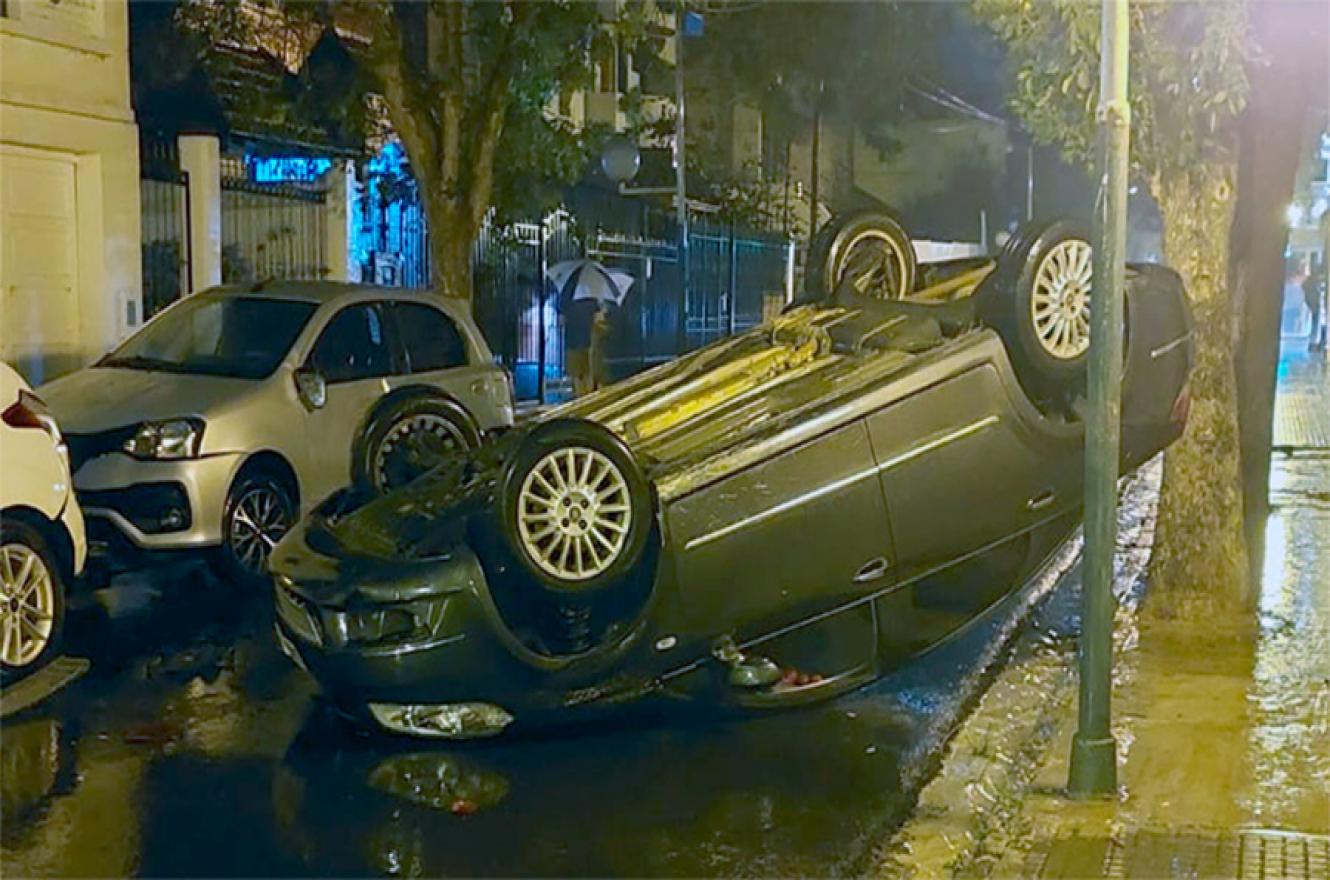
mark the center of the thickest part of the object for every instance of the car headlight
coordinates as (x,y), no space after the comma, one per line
(167,440)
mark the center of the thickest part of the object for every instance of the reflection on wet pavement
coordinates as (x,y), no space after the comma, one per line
(1288,748)
(194,748)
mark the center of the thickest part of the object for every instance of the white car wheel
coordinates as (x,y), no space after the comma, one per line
(574,513)
(27,604)
(1060,302)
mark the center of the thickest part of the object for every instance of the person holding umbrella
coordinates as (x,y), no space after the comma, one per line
(586,291)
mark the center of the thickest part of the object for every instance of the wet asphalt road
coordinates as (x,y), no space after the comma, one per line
(195,748)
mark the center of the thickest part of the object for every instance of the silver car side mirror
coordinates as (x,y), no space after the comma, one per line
(312,389)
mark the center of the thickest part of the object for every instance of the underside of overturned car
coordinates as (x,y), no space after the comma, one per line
(772,519)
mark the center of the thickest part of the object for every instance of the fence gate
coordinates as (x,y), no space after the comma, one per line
(164,226)
(272,231)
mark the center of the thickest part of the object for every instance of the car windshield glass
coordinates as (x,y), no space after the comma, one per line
(240,337)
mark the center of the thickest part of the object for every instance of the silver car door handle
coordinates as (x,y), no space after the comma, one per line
(479,386)
(872,570)
(1042,500)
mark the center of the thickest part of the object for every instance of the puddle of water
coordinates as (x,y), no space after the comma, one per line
(1288,748)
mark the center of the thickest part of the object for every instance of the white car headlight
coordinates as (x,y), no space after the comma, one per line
(166,441)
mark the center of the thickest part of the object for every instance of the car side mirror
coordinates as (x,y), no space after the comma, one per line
(311,388)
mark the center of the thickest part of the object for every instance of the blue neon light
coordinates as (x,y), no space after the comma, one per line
(286,169)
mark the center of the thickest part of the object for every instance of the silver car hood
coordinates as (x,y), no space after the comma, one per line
(97,399)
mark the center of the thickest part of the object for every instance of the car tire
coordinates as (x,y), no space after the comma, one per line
(260,508)
(411,436)
(1039,302)
(845,241)
(576,511)
(31,621)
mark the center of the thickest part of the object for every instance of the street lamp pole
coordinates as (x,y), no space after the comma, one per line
(1093,752)
(680,176)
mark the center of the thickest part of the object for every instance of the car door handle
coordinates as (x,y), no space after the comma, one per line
(1042,500)
(872,570)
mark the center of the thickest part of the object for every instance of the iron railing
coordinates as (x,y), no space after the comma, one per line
(164,226)
(272,231)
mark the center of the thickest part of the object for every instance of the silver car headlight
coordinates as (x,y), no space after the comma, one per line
(168,440)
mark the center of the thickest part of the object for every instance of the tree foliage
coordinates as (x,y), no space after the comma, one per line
(1188,76)
(1188,83)
(466,85)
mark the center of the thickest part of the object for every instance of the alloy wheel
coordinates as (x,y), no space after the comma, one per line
(574,513)
(1060,303)
(413,446)
(258,521)
(27,604)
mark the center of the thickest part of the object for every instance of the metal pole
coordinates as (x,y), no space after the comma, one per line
(733,299)
(1093,751)
(541,268)
(680,178)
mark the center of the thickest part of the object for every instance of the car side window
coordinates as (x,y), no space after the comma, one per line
(430,339)
(353,346)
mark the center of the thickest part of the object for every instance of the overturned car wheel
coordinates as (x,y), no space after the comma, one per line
(870,250)
(1041,306)
(577,510)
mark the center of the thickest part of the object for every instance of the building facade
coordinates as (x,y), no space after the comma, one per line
(69,172)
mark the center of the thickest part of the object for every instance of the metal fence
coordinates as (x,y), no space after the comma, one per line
(164,226)
(271,231)
(516,309)
(731,270)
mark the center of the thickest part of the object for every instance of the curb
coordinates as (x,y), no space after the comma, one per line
(967,820)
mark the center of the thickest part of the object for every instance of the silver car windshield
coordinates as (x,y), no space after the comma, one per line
(235,336)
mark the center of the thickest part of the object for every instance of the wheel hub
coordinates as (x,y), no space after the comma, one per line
(258,523)
(27,604)
(414,446)
(1060,304)
(573,513)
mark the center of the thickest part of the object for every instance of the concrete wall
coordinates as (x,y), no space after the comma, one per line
(69,176)
(928,154)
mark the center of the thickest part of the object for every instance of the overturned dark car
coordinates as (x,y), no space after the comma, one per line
(773,519)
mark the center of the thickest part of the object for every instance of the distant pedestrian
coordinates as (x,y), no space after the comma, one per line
(1313,292)
(587,292)
(579,322)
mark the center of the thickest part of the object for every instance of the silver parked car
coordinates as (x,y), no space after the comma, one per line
(235,409)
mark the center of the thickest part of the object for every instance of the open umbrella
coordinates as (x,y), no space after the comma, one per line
(586,279)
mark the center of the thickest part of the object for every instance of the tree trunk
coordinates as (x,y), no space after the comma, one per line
(450,246)
(1274,135)
(1200,551)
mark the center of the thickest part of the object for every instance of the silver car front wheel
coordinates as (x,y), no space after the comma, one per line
(260,510)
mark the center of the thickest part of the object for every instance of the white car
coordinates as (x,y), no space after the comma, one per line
(42,542)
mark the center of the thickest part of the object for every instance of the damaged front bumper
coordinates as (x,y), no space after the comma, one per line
(414,647)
